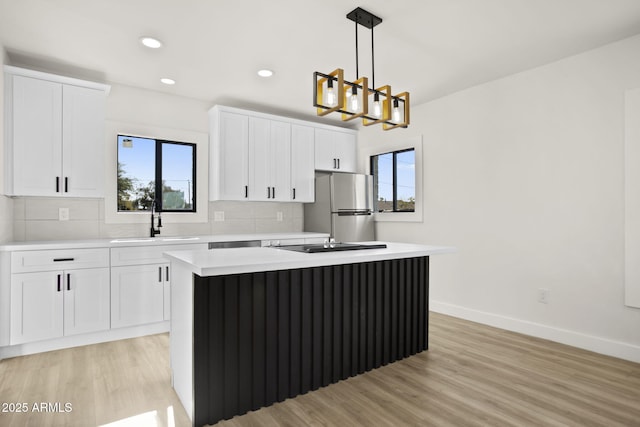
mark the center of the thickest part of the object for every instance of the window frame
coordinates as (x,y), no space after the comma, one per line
(394,175)
(386,145)
(158,174)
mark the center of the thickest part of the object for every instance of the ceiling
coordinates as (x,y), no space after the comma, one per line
(213,48)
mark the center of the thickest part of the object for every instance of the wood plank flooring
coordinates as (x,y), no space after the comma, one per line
(473,375)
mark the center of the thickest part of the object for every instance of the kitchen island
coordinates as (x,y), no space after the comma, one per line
(255,326)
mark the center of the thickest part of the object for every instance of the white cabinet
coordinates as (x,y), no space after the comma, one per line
(54,135)
(269,160)
(140,284)
(229,156)
(302,164)
(137,294)
(262,157)
(58,293)
(335,150)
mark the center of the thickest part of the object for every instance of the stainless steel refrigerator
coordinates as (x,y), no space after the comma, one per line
(343,207)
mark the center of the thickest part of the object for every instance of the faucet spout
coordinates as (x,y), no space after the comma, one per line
(154,231)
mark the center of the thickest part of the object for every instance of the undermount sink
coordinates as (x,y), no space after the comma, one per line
(153,239)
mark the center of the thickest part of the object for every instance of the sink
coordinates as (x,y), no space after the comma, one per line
(133,240)
(154,239)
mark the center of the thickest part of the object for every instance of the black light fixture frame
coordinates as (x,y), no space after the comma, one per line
(368,20)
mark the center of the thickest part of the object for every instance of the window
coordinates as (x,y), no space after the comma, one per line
(394,181)
(154,170)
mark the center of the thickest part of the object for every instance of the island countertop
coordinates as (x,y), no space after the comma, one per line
(217,262)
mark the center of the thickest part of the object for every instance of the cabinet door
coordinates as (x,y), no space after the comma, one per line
(280,161)
(259,159)
(229,157)
(344,148)
(137,295)
(37,136)
(86,300)
(302,164)
(36,306)
(325,158)
(83,142)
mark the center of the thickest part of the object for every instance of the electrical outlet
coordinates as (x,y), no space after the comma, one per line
(279,216)
(63,214)
(543,295)
(218,216)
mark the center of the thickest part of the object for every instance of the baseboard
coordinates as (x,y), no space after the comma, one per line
(604,346)
(83,339)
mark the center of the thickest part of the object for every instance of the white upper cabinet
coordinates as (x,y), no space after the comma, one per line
(262,157)
(229,156)
(302,164)
(335,150)
(269,160)
(54,135)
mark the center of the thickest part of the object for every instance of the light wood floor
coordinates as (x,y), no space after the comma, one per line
(473,375)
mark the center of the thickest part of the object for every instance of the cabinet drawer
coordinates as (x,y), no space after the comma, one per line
(148,254)
(29,261)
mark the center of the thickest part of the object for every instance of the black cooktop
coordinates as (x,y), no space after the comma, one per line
(331,247)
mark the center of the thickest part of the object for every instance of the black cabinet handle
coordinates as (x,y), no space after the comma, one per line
(66,184)
(268,192)
(62,259)
(59,279)
(335,164)
(167,271)
(338,163)
(68,281)
(246,191)
(57,184)
(160,274)
(273,192)
(294,194)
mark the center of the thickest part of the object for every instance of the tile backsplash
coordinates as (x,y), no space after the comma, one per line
(37,218)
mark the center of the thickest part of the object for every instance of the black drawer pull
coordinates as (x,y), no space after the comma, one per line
(59,277)
(68,281)
(66,184)
(63,259)
(57,184)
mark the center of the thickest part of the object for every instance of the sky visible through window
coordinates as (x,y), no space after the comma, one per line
(406,186)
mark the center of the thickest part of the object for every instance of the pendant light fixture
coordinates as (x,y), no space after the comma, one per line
(332,93)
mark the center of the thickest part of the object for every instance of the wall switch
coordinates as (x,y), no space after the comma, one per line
(543,296)
(279,216)
(63,214)
(218,216)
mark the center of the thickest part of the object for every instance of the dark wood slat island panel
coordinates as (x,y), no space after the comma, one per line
(263,337)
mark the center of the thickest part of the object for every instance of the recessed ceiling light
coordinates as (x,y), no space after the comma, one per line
(168,81)
(151,42)
(265,73)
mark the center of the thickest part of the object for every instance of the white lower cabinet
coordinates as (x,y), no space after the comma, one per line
(140,285)
(138,294)
(52,304)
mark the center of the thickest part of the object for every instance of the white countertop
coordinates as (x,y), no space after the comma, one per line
(217,262)
(117,242)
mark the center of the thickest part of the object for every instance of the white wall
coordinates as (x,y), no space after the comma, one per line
(525,176)
(154,114)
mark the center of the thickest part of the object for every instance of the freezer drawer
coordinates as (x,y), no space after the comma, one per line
(353,228)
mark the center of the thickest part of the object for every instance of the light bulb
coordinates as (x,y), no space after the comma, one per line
(353,100)
(331,94)
(376,106)
(396,111)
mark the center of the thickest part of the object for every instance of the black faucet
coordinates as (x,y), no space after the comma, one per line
(155,230)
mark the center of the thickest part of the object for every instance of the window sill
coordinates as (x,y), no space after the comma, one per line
(397,216)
